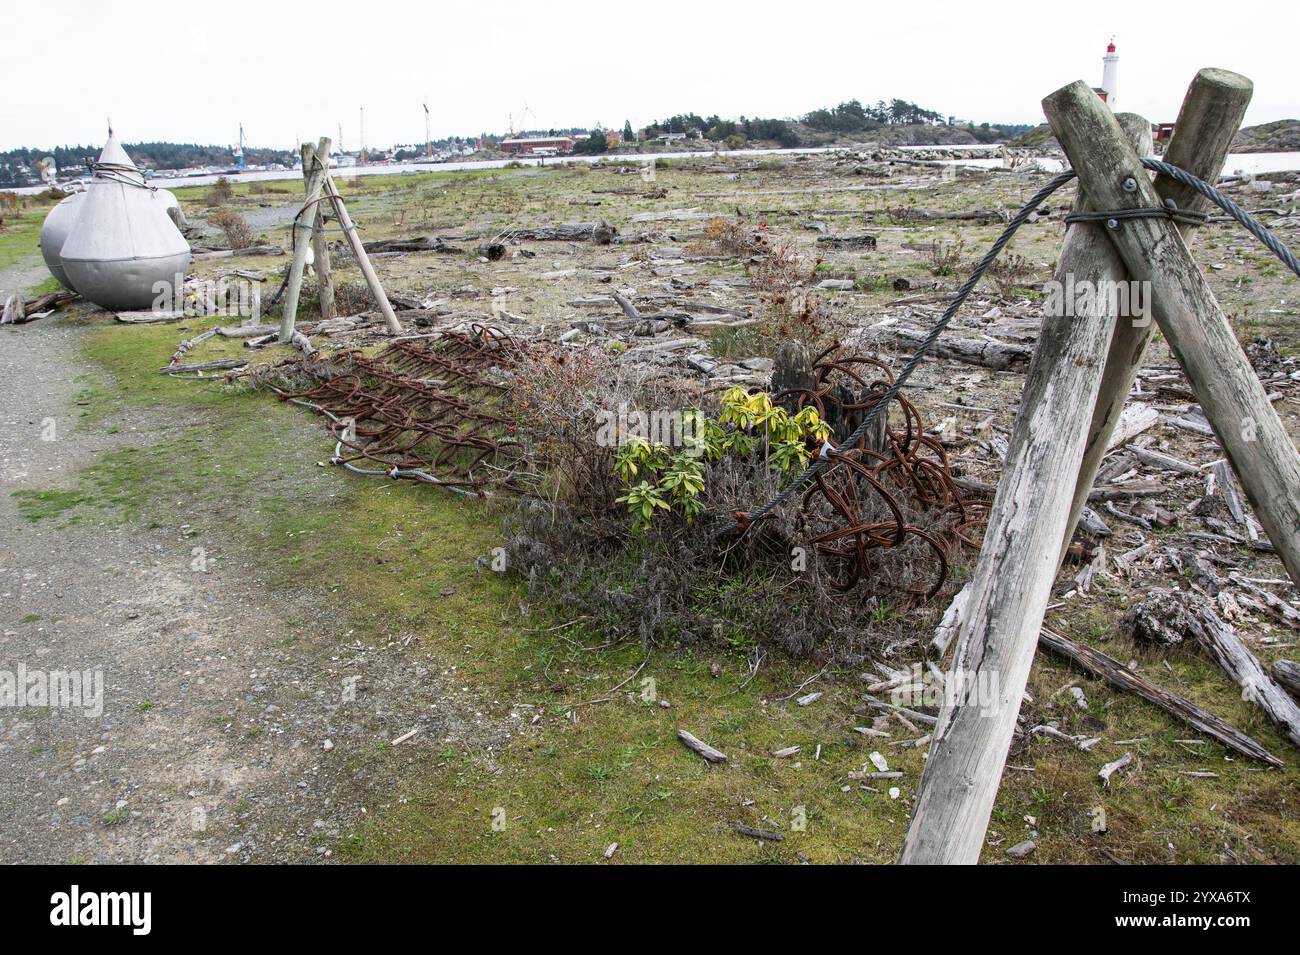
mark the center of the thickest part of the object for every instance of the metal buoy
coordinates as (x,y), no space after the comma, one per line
(55,230)
(123,241)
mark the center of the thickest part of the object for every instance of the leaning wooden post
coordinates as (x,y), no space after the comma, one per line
(319,241)
(1198,332)
(1008,595)
(1211,114)
(359,250)
(302,238)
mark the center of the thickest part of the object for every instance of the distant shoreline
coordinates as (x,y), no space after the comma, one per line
(1252,162)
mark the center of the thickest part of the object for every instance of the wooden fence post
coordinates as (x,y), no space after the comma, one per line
(1211,114)
(1006,599)
(359,250)
(315,181)
(1198,333)
(320,245)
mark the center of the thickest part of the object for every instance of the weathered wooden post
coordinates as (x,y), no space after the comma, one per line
(1198,332)
(315,182)
(1211,114)
(319,241)
(1006,599)
(359,250)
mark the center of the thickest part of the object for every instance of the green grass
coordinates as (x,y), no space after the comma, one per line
(20,238)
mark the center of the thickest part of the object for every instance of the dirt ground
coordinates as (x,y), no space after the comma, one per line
(228,728)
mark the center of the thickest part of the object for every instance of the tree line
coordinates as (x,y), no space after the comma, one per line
(851,116)
(146,155)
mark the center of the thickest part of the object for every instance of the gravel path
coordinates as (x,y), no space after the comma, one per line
(237,724)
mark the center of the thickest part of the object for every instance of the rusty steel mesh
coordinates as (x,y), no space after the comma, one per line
(421,409)
(892,489)
(430,410)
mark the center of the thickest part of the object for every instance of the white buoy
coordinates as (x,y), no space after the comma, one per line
(55,231)
(123,241)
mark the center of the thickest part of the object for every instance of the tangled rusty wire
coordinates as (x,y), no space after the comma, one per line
(423,410)
(872,494)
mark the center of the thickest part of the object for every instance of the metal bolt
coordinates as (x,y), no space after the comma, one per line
(1112,223)
(1130,184)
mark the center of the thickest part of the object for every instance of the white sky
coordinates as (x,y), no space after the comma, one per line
(159,69)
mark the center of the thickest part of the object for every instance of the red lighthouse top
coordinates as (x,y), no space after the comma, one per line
(1110,47)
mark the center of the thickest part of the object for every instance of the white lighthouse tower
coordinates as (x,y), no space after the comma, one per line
(1110,74)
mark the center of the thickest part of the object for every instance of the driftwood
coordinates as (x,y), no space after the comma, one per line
(19,311)
(934,215)
(1287,675)
(601,233)
(1196,328)
(1171,616)
(704,749)
(985,352)
(1133,420)
(426,243)
(220,364)
(203,255)
(1167,462)
(768,835)
(1121,677)
(948,627)
(847,241)
(1271,603)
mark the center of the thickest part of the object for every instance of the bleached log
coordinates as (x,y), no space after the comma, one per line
(704,749)
(1018,562)
(302,239)
(1220,641)
(1199,334)
(1107,668)
(1133,420)
(1287,675)
(950,624)
(1210,116)
(1158,459)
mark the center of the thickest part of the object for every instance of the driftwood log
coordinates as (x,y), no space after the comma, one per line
(1210,116)
(1287,675)
(1022,543)
(701,747)
(1169,617)
(1121,677)
(601,233)
(1199,334)
(423,243)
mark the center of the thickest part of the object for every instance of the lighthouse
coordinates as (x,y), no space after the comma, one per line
(1110,74)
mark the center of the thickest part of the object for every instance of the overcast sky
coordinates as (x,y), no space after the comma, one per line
(187,72)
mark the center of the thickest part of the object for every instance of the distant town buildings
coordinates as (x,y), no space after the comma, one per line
(539,146)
